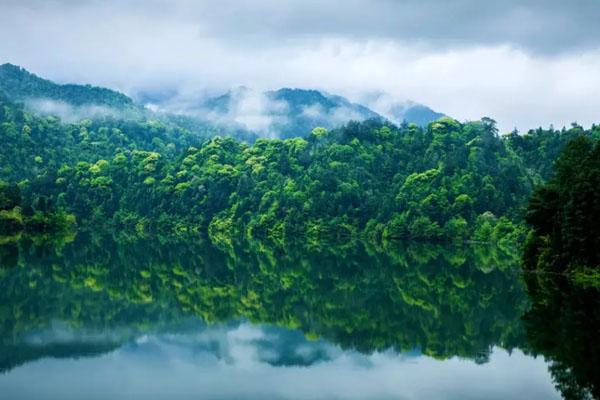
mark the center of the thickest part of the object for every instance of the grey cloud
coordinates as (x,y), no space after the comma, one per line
(524,63)
(549,26)
(539,26)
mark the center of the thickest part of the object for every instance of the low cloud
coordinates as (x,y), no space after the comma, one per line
(256,111)
(334,117)
(240,108)
(67,112)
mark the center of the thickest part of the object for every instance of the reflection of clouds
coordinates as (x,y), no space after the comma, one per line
(263,362)
(242,345)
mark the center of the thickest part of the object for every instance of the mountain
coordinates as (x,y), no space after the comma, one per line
(47,97)
(412,112)
(285,112)
(242,112)
(310,108)
(295,112)
(399,112)
(73,103)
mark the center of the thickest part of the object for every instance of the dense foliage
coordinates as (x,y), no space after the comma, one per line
(565,211)
(450,181)
(34,146)
(539,148)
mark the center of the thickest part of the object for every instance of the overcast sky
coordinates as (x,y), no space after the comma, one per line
(523,63)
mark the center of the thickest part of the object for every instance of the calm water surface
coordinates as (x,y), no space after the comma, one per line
(107,317)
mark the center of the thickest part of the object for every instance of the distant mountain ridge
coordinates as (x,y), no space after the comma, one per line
(19,84)
(241,112)
(291,112)
(285,112)
(412,112)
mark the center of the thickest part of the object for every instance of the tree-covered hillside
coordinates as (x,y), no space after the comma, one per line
(283,113)
(446,181)
(539,148)
(80,103)
(19,85)
(287,112)
(449,181)
(34,146)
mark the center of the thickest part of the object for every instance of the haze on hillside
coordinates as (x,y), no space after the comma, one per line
(243,113)
(522,63)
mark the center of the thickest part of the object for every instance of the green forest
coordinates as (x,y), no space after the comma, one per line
(447,182)
(371,235)
(564,213)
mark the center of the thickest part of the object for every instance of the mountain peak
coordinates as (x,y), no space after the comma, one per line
(12,67)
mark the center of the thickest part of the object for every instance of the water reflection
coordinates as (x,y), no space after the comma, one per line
(564,325)
(243,360)
(352,321)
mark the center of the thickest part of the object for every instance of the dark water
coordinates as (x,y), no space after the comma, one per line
(113,318)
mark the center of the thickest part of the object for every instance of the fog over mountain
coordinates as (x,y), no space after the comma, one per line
(523,63)
(286,112)
(282,113)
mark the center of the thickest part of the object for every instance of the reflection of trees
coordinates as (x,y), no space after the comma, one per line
(444,301)
(563,325)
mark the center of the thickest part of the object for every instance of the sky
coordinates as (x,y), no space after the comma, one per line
(523,63)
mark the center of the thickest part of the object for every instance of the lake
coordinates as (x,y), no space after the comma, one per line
(110,316)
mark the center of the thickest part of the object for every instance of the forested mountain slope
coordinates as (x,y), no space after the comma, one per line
(73,103)
(446,181)
(20,85)
(32,146)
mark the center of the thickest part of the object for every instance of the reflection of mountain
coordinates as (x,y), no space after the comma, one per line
(443,301)
(12,356)
(267,344)
(563,325)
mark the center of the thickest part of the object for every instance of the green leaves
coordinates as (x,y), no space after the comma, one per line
(565,211)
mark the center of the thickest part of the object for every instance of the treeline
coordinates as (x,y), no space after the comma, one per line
(449,181)
(564,213)
(17,83)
